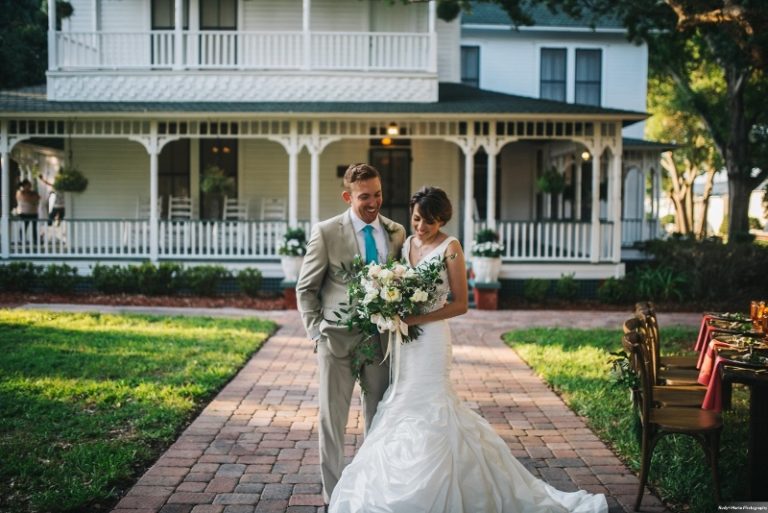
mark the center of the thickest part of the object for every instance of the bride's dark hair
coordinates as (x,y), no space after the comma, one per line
(434,205)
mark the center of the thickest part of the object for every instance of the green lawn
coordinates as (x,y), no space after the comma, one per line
(575,364)
(87,401)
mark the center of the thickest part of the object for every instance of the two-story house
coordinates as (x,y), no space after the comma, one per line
(144,96)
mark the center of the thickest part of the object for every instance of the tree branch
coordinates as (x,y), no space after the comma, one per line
(729,13)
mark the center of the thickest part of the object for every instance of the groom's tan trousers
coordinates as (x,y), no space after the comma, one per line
(335,395)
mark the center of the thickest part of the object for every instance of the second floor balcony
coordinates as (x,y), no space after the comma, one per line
(255,51)
(245,50)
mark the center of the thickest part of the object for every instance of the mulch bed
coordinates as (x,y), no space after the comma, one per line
(266,302)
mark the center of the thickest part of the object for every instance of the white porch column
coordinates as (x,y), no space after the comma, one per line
(153,148)
(615,193)
(5,184)
(594,251)
(306,9)
(178,35)
(315,145)
(433,36)
(193,50)
(469,146)
(52,57)
(490,211)
(314,186)
(577,188)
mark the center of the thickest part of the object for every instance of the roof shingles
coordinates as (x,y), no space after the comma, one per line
(453,99)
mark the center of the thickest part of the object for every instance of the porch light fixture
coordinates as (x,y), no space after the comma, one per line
(393,129)
(585,155)
(386,141)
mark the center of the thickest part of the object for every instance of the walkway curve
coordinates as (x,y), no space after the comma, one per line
(254,447)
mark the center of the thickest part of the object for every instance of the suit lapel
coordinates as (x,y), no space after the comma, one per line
(347,235)
(386,225)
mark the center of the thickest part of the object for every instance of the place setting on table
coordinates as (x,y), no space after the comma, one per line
(734,349)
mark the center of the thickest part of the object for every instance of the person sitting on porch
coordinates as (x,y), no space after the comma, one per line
(27,201)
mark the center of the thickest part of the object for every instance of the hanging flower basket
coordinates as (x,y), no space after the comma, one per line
(70,180)
(551,181)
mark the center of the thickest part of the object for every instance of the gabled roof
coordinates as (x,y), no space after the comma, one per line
(454,99)
(493,15)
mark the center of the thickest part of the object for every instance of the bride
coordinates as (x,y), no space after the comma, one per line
(426,451)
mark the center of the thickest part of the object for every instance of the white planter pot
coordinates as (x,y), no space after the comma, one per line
(486,269)
(291,267)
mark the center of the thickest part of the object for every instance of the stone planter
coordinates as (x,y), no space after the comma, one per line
(486,269)
(291,267)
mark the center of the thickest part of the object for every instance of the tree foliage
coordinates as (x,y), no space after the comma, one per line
(674,120)
(23,43)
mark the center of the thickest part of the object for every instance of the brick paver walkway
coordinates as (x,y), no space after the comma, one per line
(254,447)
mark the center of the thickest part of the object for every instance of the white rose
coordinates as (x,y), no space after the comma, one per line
(374,270)
(419,296)
(410,273)
(370,296)
(390,294)
(386,276)
(399,270)
(371,286)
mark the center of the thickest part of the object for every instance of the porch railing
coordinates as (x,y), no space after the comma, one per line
(552,241)
(128,238)
(357,51)
(639,230)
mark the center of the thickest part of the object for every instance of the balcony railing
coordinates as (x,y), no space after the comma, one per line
(130,239)
(639,230)
(552,241)
(355,51)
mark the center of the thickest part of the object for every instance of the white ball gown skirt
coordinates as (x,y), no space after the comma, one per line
(428,452)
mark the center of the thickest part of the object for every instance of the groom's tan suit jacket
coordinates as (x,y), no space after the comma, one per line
(321,289)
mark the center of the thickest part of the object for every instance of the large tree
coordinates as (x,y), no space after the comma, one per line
(23,48)
(731,35)
(674,120)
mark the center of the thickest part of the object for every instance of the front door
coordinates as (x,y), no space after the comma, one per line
(394,164)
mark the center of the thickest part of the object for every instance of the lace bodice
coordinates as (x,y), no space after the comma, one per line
(444,288)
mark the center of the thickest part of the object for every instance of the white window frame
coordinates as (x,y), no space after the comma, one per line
(570,66)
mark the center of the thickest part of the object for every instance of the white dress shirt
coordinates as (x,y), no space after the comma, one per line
(379,235)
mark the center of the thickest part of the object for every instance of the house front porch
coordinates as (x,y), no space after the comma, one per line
(485,149)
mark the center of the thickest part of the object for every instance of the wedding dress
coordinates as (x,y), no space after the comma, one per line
(428,452)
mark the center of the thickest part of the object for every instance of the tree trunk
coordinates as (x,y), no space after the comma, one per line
(737,155)
(708,185)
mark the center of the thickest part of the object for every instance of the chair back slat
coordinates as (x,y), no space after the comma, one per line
(633,343)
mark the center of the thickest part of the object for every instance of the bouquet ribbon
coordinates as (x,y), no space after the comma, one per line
(397,329)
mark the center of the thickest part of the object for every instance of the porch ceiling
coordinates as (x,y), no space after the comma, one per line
(455,100)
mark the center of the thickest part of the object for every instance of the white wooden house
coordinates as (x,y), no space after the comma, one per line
(143,95)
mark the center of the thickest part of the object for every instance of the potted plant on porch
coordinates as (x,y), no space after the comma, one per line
(551,181)
(486,256)
(292,253)
(217,184)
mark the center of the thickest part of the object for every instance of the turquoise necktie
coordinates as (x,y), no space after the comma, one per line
(371,253)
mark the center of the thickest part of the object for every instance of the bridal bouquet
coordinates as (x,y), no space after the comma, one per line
(380,296)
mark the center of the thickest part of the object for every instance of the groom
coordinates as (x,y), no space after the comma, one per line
(321,291)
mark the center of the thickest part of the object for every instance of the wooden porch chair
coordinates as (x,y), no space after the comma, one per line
(689,396)
(274,209)
(143,204)
(235,210)
(703,425)
(180,207)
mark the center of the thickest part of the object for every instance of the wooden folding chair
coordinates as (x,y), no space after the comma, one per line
(703,425)
(691,395)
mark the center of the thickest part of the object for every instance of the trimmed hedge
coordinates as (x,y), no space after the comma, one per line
(165,279)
